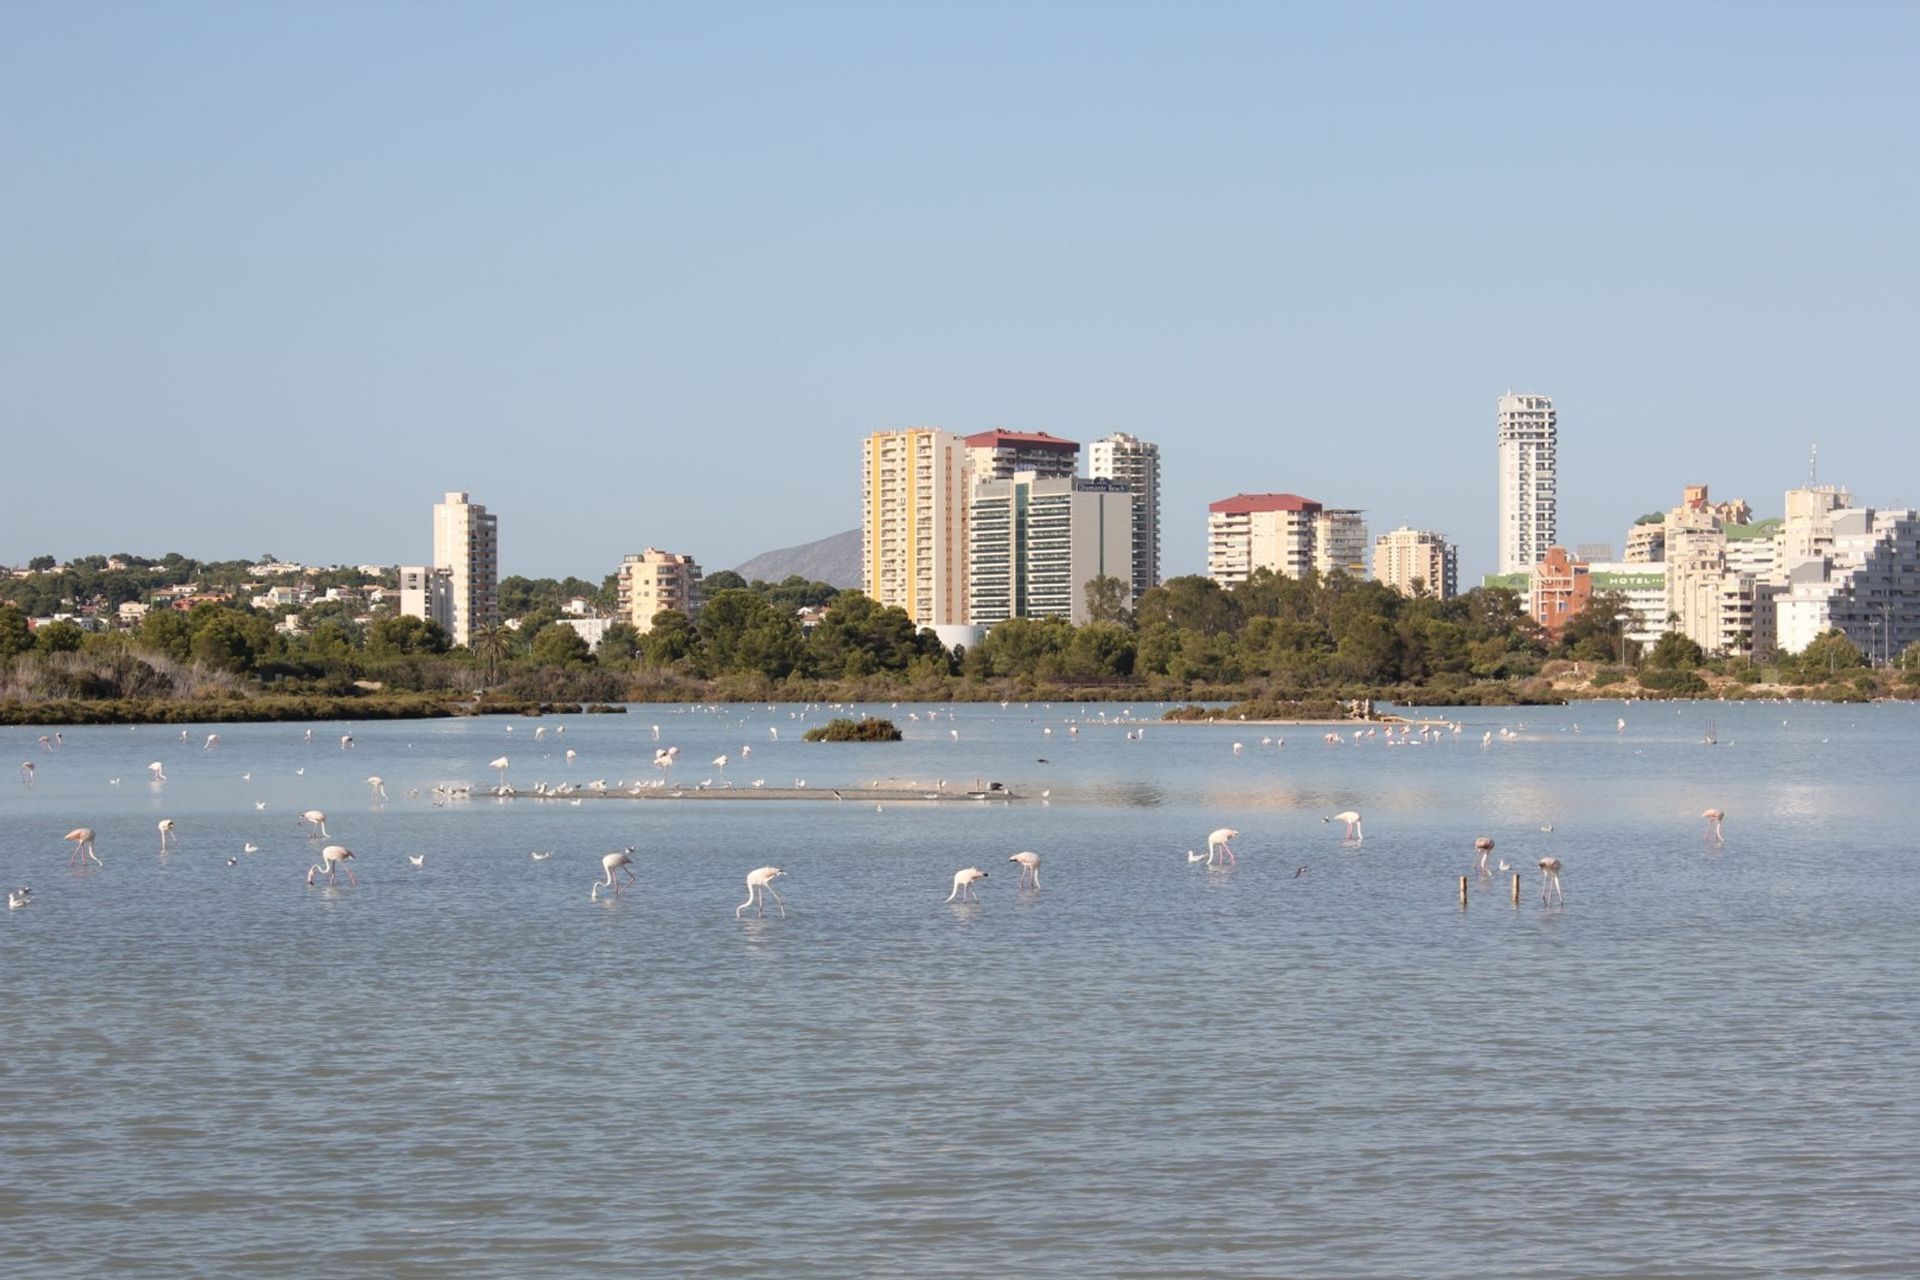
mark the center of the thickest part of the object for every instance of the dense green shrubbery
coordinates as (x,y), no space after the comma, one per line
(1672,683)
(1263,709)
(843,730)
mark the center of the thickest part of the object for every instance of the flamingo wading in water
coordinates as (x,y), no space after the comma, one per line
(1550,881)
(332,858)
(168,840)
(963,882)
(1352,819)
(1714,818)
(1217,842)
(1029,868)
(759,883)
(317,819)
(1482,847)
(82,838)
(618,861)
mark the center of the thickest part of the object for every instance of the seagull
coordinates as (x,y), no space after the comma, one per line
(417,859)
(259,804)
(250,847)
(18,898)
(542,857)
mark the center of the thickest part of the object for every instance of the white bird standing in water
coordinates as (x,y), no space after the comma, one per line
(500,763)
(1714,818)
(760,882)
(333,858)
(1217,842)
(213,740)
(620,861)
(963,882)
(18,898)
(1484,846)
(346,740)
(167,838)
(1352,819)
(317,819)
(159,774)
(1550,881)
(1029,869)
(82,838)
(378,786)
(26,772)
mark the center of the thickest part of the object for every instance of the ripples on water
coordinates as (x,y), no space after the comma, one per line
(1704,1065)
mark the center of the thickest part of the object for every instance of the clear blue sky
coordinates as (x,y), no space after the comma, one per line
(274,276)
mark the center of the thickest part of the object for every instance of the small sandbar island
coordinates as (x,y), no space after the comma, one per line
(878,791)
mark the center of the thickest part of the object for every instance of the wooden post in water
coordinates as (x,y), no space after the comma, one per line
(1463,891)
(1516,888)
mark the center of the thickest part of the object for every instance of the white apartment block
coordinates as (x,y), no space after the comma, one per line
(466,543)
(653,582)
(1034,543)
(1642,588)
(913,523)
(1000,455)
(1866,584)
(1529,434)
(1260,531)
(1415,560)
(1135,463)
(1340,542)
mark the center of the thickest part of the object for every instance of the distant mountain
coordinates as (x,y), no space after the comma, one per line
(834,560)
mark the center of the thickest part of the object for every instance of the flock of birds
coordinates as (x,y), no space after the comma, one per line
(617,873)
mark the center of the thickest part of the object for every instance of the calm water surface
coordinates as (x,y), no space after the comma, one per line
(1705,1064)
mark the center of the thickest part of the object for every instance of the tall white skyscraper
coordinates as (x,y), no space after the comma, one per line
(1034,543)
(1136,464)
(1528,499)
(466,543)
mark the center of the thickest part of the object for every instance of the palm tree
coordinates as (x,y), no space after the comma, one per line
(490,643)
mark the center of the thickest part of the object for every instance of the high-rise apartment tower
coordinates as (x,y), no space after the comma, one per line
(1529,432)
(466,543)
(913,523)
(1136,464)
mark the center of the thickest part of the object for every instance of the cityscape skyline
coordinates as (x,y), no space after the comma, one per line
(1309,282)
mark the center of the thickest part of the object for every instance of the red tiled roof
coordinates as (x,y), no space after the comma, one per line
(1033,439)
(1241,504)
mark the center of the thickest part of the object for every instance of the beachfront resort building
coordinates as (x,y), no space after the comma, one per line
(1417,562)
(1034,543)
(1528,437)
(913,523)
(1000,455)
(1135,463)
(656,581)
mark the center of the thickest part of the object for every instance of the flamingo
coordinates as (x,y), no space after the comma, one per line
(719,762)
(159,774)
(1029,868)
(963,882)
(346,740)
(1550,881)
(379,787)
(1217,842)
(167,838)
(760,882)
(332,858)
(213,740)
(18,898)
(774,730)
(1714,818)
(317,819)
(1483,846)
(622,861)
(570,755)
(82,838)
(1352,820)
(26,772)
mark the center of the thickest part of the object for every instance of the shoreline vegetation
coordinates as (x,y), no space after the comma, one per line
(1270,648)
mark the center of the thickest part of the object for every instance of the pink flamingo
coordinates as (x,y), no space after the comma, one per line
(759,883)
(1714,817)
(1352,819)
(1550,881)
(963,882)
(1217,843)
(1483,846)
(331,858)
(1029,869)
(82,838)
(619,861)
